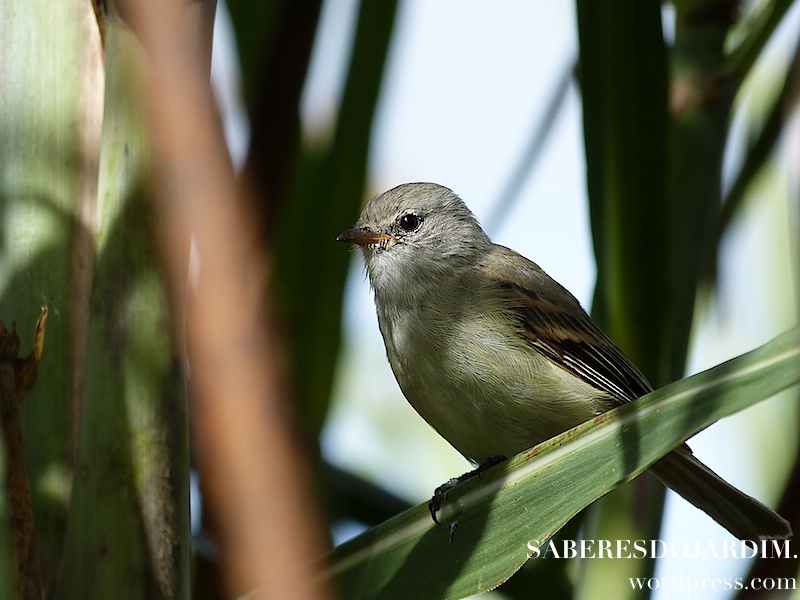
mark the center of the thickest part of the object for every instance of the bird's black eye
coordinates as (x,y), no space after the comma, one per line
(410,222)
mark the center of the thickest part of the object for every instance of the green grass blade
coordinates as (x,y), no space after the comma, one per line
(623,71)
(327,192)
(624,84)
(495,520)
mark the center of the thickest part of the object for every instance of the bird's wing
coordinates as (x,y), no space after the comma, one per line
(553,322)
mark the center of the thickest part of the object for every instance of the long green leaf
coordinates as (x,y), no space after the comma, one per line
(128,529)
(758,30)
(624,75)
(328,190)
(50,114)
(623,66)
(492,524)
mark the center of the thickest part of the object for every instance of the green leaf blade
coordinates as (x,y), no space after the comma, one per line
(490,521)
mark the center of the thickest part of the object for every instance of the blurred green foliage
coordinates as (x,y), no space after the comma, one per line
(657,117)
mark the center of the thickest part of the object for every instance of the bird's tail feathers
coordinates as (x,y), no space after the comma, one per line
(744,516)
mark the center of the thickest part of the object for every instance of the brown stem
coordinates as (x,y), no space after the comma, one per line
(255,481)
(17,378)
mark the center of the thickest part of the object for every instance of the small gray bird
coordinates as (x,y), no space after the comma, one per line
(496,355)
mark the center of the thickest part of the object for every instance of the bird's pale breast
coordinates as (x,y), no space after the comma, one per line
(484,392)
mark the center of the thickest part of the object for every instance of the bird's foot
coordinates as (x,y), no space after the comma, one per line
(438,494)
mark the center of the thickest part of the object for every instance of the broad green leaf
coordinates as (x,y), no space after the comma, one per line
(491,524)
(128,528)
(50,114)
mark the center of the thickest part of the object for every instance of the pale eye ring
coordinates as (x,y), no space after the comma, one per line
(410,222)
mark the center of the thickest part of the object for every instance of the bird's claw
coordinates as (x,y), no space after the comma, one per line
(436,501)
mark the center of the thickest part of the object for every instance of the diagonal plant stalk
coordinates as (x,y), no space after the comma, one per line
(758,31)
(540,134)
(758,152)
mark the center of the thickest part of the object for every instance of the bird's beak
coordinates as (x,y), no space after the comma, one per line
(364,238)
